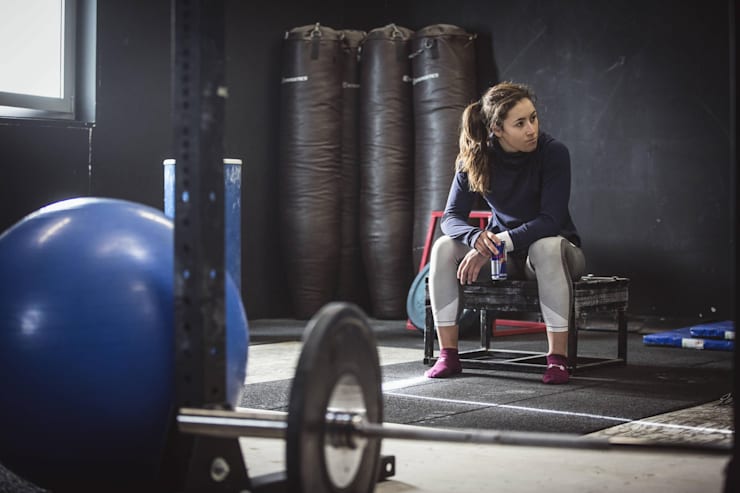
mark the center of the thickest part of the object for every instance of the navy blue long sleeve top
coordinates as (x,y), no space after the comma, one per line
(528,197)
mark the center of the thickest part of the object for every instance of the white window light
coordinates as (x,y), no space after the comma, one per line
(37,58)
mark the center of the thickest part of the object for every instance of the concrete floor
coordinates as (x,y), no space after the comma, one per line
(445,467)
(469,468)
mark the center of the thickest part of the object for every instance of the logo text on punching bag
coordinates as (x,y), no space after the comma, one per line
(288,80)
(425,77)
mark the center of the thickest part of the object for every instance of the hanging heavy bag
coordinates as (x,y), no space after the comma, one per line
(386,168)
(351,273)
(444,83)
(310,161)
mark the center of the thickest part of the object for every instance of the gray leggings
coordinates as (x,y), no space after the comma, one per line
(553,261)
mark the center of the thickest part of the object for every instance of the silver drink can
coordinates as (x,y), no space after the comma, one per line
(498,263)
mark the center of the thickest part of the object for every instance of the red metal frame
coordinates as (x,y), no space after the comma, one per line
(526,327)
(483,217)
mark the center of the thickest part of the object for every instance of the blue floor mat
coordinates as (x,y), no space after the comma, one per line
(715,330)
(716,336)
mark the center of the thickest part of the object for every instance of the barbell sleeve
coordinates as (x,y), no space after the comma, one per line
(232,424)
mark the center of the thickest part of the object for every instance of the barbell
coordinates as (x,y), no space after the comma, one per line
(334,424)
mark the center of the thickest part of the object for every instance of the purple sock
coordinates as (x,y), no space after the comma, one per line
(557,370)
(447,364)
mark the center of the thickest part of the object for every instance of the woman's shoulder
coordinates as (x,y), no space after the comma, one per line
(551,146)
(460,169)
(547,141)
(461,176)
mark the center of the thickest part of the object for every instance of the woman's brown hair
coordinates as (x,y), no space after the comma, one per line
(476,127)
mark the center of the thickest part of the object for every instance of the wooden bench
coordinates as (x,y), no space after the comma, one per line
(591,294)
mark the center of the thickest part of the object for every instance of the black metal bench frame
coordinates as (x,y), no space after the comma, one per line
(590,295)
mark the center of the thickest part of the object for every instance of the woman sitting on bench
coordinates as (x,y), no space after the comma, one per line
(524,177)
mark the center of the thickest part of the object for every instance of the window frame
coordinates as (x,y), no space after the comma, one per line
(78,101)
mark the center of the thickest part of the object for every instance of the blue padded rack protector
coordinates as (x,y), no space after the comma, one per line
(714,330)
(682,338)
(416,300)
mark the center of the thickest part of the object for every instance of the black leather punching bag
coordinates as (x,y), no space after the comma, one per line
(444,83)
(310,163)
(386,168)
(351,272)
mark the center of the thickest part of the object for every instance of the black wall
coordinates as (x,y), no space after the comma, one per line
(641,93)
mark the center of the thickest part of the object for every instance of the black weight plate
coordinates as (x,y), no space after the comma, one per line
(338,342)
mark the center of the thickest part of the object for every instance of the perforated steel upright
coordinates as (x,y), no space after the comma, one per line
(198,109)
(198,93)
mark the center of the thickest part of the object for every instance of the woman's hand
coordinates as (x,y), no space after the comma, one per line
(487,244)
(469,268)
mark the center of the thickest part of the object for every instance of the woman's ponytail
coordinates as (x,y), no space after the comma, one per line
(473,155)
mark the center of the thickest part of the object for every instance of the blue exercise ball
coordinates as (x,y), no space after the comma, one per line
(87,342)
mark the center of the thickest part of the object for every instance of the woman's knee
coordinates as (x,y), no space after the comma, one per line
(445,249)
(546,249)
(556,251)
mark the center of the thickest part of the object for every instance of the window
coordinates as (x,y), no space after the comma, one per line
(47,58)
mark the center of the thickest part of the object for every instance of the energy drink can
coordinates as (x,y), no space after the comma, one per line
(498,263)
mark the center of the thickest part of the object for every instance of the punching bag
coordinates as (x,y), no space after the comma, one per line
(310,162)
(444,83)
(386,168)
(351,273)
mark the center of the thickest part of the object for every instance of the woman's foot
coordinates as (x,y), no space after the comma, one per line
(557,370)
(447,365)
